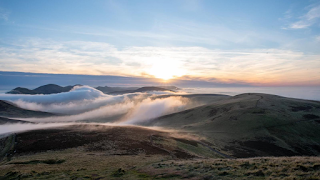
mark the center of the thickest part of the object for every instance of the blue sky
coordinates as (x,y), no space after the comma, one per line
(269,42)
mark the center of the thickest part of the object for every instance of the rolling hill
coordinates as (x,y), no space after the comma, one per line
(108,89)
(250,125)
(142,89)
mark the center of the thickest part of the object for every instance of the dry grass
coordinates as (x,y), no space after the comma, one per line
(79,164)
(249,168)
(76,164)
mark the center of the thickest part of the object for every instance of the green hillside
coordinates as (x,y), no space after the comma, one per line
(249,125)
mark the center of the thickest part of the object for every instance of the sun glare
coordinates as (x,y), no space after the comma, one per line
(166,70)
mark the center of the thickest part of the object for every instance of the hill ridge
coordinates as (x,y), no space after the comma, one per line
(242,124)
(44,89)
(10,110)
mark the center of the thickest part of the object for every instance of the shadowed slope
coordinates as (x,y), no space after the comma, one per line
(8,120)
(10,110)
(112,140)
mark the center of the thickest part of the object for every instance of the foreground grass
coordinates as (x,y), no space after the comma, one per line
(76,164)
(248,168)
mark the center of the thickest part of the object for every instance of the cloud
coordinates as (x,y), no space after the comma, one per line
(132,111)
(150,109)
(310,18)
(251,66)
(99,113)
(86,103)
(80,99)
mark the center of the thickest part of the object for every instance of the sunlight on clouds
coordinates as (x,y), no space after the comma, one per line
(254,66)
(166,69)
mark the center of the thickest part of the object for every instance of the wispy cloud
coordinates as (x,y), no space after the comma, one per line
(4,14)
(310,18)
(86,103)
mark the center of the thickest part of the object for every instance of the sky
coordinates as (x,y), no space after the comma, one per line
(248,42)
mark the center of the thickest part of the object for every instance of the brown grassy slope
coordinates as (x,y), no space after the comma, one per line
(107,152)
(249,125)
(249,168)
(112,140)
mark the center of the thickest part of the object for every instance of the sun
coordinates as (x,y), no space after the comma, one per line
(166,70)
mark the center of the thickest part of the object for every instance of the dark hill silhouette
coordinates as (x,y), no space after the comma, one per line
(108,89)
(21,90)
(53,89)
(45,89)
(142,89)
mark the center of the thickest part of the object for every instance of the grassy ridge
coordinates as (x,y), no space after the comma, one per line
(250,125)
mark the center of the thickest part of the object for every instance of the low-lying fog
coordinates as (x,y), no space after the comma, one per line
(87,104)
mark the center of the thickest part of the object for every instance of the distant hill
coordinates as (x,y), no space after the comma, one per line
(172,88)
(108,89)
(249,125)
(45,89)
(53,89)
(142,89)
(10,110)
(21,90)
(124,90)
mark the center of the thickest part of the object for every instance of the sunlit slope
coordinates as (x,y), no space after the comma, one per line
(254,125)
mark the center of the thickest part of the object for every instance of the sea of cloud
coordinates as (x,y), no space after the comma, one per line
(87,104)
(84,103)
